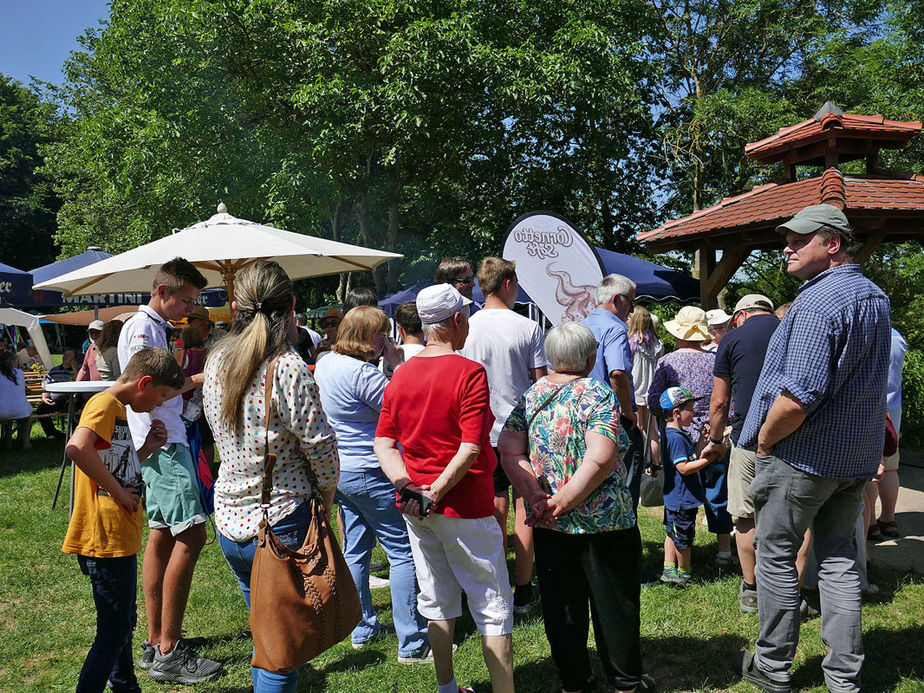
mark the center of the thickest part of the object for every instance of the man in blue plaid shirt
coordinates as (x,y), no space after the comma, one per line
(817,422)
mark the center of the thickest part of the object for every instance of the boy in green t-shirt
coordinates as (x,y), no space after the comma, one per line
(105,526)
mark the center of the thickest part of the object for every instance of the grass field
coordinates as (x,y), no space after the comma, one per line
(47,619)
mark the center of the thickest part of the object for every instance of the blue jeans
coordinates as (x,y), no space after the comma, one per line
(788,501)
(368,511)
(291,531)
(114,582)
(715,483)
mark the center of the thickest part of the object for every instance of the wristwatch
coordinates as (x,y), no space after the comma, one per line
(720,441)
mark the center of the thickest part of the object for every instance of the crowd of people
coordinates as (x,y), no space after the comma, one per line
(424,447)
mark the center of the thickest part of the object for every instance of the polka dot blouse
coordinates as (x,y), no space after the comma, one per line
(299,434)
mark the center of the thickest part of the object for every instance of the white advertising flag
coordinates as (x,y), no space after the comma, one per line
(556,265)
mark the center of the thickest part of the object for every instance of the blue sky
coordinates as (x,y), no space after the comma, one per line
(36,36)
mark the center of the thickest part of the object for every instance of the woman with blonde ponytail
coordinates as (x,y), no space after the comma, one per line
(264,328)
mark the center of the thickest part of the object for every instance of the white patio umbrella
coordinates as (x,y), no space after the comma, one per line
(219,247)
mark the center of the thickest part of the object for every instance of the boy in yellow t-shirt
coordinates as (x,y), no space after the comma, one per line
(105,526)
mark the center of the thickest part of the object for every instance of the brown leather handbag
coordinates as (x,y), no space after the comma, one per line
(301,602)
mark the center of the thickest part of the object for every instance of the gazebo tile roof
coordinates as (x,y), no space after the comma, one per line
(845,125)
(774,202)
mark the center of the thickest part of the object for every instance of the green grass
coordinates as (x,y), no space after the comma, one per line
(47,620)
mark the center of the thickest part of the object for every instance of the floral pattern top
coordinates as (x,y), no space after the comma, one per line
(557,448)
(299,434)
(692,369)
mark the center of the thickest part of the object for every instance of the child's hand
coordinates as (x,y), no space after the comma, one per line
(157,436)
(127,498)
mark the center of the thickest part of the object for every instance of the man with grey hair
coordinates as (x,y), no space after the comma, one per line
(816,421)
(437,407)
(615,296)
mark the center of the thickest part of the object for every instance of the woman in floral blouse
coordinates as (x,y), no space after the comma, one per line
(299,433)
(562,449)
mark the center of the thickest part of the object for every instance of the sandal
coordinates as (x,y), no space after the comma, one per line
(888,529)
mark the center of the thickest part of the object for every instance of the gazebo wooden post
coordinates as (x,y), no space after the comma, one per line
(704,266)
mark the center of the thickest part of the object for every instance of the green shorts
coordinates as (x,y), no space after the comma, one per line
(171,490)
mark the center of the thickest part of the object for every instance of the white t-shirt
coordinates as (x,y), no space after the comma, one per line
(147,329)
(13,402)
(509,346)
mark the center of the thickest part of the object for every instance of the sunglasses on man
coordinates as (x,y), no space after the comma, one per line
(329,322)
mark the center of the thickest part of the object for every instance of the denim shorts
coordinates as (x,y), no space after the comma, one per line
(680,525)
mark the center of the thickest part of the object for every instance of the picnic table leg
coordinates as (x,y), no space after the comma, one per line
(70,430)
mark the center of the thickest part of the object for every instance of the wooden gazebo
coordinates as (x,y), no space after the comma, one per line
(881,205)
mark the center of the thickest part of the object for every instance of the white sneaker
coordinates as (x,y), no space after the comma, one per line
(375,582)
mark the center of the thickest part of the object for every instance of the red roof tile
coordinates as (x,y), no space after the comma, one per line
(767,205)
(847,125)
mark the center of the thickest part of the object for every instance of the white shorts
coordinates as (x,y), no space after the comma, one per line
(452,554)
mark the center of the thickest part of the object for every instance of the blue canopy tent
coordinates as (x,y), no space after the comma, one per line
(652,281)
(15,286)
(392,301)
(43,297)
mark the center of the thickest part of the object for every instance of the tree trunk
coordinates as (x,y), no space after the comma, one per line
(365,235)
(394,226)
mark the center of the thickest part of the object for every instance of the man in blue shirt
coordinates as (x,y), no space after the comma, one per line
(738,362)
(816,421)
(615,296)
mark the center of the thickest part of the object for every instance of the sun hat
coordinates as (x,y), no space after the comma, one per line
(676,396)
(438,302)
(717,316)
(812,218)
(96,325)
(689,324)
(753,301)
(200,313)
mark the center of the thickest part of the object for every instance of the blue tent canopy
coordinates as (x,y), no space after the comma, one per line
(652,281)
(392,301)
(15,285)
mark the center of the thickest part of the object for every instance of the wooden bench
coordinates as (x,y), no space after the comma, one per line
(34,389)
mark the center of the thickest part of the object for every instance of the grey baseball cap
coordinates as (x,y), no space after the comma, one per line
(811,219)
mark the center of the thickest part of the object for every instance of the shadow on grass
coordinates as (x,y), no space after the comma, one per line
(45,454)
(891,656)
(694,663)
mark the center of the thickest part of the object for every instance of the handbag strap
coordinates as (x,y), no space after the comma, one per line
(547,401)
(269,459)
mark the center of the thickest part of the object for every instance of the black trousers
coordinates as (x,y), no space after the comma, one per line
(604,571)
(634,460)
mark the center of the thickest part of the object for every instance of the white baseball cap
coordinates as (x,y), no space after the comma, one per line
(438,302)
(717,316)
(96,325)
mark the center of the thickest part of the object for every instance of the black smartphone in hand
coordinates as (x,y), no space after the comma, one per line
(424,501)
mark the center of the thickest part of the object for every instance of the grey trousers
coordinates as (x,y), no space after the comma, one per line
(786,503)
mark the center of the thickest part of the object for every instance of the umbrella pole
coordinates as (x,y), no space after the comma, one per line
(228,275)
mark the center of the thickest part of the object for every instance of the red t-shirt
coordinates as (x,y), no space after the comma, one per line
(431,406)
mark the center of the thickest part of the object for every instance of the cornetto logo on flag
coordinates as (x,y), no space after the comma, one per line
(556,265)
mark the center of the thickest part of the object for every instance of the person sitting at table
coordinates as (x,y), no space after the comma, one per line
(107,353)
(13,403)
(56,402)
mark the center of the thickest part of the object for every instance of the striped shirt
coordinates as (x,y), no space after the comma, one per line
(831,353)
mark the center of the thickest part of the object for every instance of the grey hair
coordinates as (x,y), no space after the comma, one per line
(433,329)
(569,345)
(613,285)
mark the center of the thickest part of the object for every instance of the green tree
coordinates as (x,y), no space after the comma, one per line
(27,202)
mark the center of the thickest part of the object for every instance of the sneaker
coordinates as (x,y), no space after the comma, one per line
(377,567)
(466,689)
(423,656)
(147,656)
(747,600)
(383,632)
(744,665)
(524,600)
(375,582)
(183,665)
(676,578)
(729,561)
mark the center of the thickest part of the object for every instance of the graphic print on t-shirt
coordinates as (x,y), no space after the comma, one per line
(121,459)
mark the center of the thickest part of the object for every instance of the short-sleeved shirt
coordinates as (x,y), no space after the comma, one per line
(693,370)
(739,360)
(681,492)
(557,448)
(99,527)
(299,435)
(831,353)
(896,364)
(613,351)
(432,405)
(509,346)
(351,394)
(143,330)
